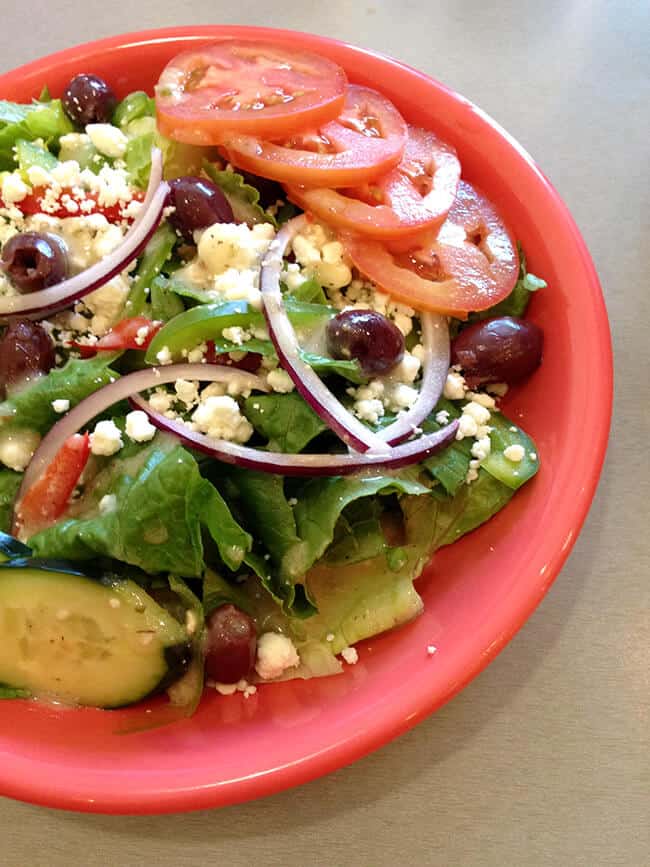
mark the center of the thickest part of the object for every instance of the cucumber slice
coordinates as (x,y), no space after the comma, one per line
(78,639)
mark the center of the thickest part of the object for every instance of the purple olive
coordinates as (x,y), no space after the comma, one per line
(504,349)
(197,203)
(88,99)
(34,260)
(230,645)
(371,338)
(26,350)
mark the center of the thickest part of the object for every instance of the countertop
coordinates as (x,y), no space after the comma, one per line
(544,758)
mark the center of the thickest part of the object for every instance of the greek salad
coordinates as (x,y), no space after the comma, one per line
(256,328)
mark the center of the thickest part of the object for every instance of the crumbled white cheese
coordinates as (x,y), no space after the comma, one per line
(219,416)
(514,453)
(483,399)
(236,334)
(160,400)
(138,427)
(369,409)
(454,386)
(467,427)
(164,356)
(442,417)
(38,176)
(350,655)
(401,396)
(141,335)
(14,189)
(233,245)
(108,139)
(481,448)
(17,448)
(107,304)
(187,392)
(107,504)
(60,405)
(280,381)
(408,368)
(322,256)
(106,439)
(275,654)
(479,413)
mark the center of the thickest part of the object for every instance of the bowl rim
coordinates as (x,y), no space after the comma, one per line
(19,777)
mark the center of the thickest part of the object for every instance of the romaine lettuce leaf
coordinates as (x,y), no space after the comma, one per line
(161,504)
(244,199)
(322,501)
(45,120)
(31,408)
(285,420)
(9,484)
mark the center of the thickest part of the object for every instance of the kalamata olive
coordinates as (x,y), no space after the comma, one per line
(371,338)
(34,260)
(504,349)
(230,644)
(198,203)
(88,99)
(26,350)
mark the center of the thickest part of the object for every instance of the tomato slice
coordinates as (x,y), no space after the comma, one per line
(471,264)
(37,203)
(247,87)
(137,332)
(365,141)
(47,499)
(415,195)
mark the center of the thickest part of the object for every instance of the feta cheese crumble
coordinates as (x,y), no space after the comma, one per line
(106,439)
(219,416)
(350,655)
(280,381)
(17,448)
(108,139)
(138,427)
(60,405)
(514,453)
(275,654)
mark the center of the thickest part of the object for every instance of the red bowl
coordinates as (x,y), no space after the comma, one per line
(477,593)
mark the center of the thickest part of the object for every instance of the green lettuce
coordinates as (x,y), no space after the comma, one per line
(161,504)
(78,378)
(244,199)
(40,120)
(9,484)
(285,420)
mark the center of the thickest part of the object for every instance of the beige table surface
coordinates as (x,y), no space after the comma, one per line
(544,759)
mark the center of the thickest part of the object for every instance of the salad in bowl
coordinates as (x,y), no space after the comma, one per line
(256,333)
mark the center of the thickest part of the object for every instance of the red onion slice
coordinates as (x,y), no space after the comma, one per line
(61,295)
(118,390)
(283,464)
(307,382)
(435,340)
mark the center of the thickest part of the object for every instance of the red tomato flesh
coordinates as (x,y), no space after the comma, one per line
(48,498)
(365,141)
(471,264)
(246,87)
(417,194)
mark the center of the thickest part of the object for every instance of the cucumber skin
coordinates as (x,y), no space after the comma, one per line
(177,656)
